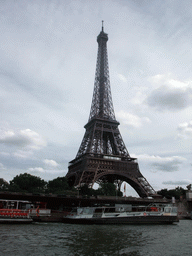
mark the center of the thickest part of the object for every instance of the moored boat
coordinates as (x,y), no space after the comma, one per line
(40,213)
(14,211)
(123,214)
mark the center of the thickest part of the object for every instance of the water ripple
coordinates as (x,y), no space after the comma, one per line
(55,239)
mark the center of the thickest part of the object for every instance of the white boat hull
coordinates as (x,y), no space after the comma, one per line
(120,215)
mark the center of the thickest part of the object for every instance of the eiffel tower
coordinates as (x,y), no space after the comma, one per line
(102,156)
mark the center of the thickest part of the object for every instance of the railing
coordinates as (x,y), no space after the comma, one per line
(14,213)
(40,212)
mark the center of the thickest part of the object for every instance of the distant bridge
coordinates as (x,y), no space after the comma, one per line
(56,202)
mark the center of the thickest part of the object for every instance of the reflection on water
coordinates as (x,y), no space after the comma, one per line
(110,240)
(81,240)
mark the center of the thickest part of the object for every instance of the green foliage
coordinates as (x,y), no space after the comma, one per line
(33,184)
(109,189)
(177,192)
(4,185)
(85,190)
(58,185)
(27,183)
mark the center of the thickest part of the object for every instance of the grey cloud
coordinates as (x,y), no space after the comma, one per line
(169,164)
(167,167)
(36,52)
(177,183)
(185,130)
(16,141)
(165,164)
(2,168)
(22,138)
(173,99)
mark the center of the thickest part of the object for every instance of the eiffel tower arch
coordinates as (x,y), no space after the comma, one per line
(103,156)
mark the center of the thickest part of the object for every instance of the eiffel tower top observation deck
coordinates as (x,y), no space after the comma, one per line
(102,156)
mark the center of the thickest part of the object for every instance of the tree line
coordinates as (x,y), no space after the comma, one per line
(27,183)
(178,192)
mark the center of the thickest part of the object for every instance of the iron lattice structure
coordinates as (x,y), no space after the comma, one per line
(102,156)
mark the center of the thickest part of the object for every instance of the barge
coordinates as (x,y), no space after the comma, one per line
(123,214)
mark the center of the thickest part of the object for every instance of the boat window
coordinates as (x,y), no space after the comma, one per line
(153,209)
(167,209)
(88,211)
(79,211)
(1,205)
(11,205)
(24,206)
(109,209)
(174,209)
(98,210)
(139,209)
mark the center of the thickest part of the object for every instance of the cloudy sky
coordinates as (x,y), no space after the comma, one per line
(48,56)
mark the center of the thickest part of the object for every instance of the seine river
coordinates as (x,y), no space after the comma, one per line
(80,240)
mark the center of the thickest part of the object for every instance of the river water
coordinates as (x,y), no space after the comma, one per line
(97,240)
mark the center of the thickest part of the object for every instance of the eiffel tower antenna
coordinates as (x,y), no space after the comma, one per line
(102,156)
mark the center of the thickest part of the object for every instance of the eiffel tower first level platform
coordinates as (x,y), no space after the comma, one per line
(102,156)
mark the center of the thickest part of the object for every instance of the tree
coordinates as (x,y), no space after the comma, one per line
(4,185)
(58,185)
(108,189)
(177,192)
(85,190)
(27,183)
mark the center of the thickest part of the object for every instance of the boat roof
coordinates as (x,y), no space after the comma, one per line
(8,200)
